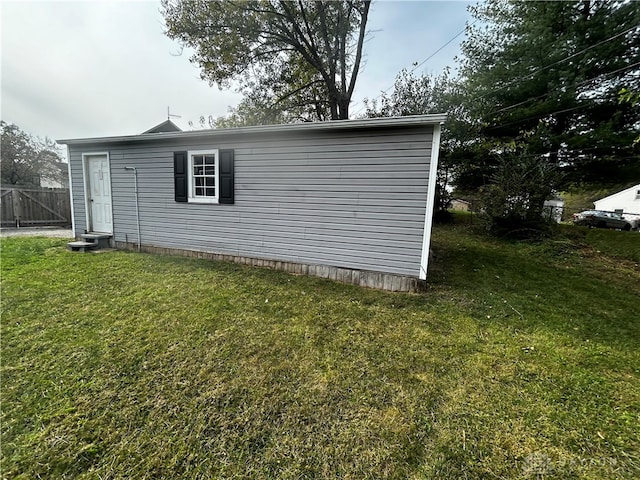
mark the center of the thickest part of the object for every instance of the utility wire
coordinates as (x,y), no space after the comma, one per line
(526,77)
(558,111)
(579,84)
(439,50)
(545,114)
(530,75)
(422,63)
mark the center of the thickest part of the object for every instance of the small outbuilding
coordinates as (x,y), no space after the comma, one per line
(350,200)
(553,209)
(460,205)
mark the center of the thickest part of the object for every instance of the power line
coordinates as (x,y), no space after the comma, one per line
(530,75)
(570,85)
(423,62)
(558,111)
(440,49)
(545,114)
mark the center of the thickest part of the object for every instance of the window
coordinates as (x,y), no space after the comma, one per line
(638,194)
(203,176)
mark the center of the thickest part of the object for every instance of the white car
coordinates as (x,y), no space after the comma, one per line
(599,219)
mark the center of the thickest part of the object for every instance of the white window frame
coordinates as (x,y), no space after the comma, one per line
(191,193)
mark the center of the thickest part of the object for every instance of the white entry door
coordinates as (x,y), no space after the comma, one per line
(99,193)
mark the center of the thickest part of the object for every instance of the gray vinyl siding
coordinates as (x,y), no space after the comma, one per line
(77,189)
(347,198)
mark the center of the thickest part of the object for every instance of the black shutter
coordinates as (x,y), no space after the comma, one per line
(180,176)
(226,177)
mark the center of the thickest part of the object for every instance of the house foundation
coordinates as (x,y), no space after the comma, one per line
(364,278)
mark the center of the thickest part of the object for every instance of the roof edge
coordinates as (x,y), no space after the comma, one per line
(632,187)
(160,128)
(412,120)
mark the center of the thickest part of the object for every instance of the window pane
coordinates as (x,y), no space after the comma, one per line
(203,174)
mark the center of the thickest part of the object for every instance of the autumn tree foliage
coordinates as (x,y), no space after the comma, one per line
(301,58)
(27,159)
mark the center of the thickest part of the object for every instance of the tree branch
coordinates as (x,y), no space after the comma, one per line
(342,46)
(306,23)
(289,94)
(356,63)
(324,32)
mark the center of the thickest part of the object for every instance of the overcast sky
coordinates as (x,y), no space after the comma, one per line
(86,69)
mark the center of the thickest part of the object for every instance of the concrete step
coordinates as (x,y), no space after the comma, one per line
(96,236)
(102,240)
(80,246)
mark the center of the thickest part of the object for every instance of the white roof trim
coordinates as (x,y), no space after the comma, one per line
(431,195)
(618,193)
(166,122)
(413,120)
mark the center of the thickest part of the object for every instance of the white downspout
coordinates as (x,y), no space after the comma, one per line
(135,180)
(431,193)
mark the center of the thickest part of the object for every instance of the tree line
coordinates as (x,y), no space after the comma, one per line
(545,95)
(28,160)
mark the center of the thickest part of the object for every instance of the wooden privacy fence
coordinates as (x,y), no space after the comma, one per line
(33,206)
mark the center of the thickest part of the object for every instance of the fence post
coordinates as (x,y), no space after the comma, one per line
(17,206)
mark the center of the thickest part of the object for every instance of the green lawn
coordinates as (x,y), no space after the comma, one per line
(610,242)
(521,360)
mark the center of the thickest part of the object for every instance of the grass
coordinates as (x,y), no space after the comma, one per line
(521,361)
(614,243)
